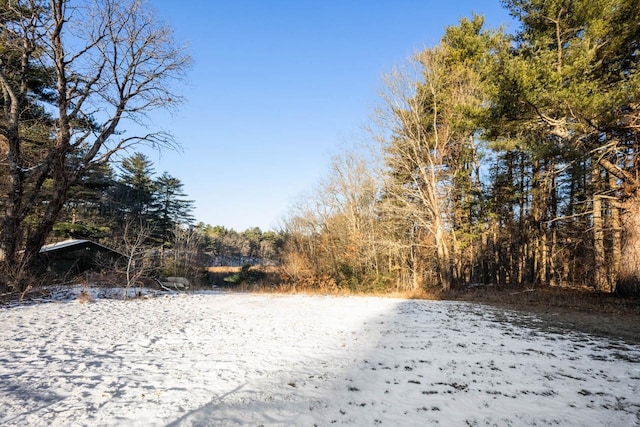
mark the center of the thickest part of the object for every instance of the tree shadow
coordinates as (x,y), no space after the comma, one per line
(428,363)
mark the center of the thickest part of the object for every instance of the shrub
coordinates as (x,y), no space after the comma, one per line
(245,275)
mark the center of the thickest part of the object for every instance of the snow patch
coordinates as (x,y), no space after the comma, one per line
(245,359)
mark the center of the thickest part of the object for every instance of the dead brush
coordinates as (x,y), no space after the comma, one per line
(137,295)
(85,296)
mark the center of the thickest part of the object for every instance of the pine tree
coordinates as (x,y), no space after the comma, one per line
(171,208)
(59,65)
(137,186)
(89,212)
(569,92)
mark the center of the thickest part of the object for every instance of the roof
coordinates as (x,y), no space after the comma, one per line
(63,244)
(71,243)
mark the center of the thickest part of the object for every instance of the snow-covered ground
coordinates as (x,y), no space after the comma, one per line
(247,359)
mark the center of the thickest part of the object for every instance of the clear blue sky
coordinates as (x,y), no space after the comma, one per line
(278,86)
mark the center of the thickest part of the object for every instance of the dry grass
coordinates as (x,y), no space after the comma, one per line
(232,269)
(293,288)
(85,297)
(547,299)
(223,269)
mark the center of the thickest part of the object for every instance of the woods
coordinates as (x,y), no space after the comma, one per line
(495,157)
(72,75)
(473,260)
(506,159)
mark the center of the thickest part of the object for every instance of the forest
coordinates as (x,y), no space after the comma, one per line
(505,159)
(493,158)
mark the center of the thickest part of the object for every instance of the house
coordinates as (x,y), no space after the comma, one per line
(71,257)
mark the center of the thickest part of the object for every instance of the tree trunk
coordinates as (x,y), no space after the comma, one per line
(599,267)
(38,237)
(553,278)
(541,274)
(9,235)
(444,261)
(616,236)
(629,276)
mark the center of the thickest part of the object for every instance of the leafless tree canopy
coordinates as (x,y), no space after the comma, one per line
(101,63)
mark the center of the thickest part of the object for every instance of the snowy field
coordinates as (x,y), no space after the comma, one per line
(247,359)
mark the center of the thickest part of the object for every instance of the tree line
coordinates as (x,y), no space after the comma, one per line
(228,247)
(496,158)
(72,75)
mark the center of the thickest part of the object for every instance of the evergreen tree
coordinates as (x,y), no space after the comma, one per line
(569,95)
(171,207)
(138,187)
(90,212)
(59,65)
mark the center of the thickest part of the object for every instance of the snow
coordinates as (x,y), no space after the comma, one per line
(63,244)
(230,359)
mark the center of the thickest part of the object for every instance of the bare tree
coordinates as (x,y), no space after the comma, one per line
(417,150)
(135,245)
(107,62)
(332,233)
(183,259)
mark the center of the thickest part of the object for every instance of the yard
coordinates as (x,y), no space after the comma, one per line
(218,358)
